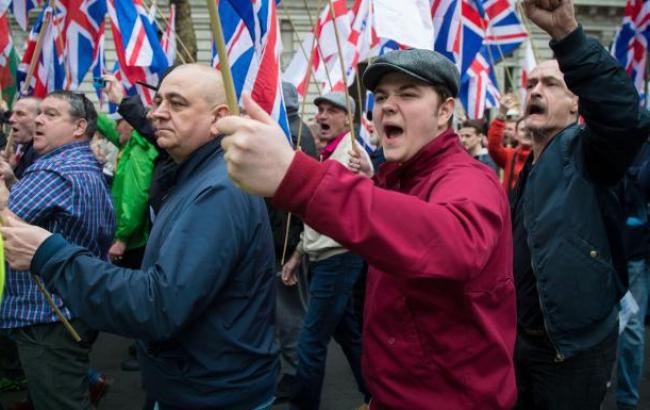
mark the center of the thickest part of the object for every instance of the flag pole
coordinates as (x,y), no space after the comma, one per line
(344,77)
(37,49)
(226,74)
(303,104)
(310,57)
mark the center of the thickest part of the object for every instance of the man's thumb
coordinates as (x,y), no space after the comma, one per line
(254,110)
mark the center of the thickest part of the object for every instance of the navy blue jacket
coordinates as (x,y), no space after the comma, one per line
(202,307)
(571,214)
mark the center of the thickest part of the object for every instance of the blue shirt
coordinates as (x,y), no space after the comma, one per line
(64,192)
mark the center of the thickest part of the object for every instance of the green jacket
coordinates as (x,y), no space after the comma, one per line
(130,188)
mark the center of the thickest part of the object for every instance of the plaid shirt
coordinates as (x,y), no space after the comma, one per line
(64,192)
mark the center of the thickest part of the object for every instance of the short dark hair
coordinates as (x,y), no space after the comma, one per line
(478,125)
(80,108)
(444,93)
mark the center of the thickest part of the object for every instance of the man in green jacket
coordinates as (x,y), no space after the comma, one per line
(130,190)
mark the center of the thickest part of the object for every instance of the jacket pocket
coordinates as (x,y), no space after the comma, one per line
(577,285)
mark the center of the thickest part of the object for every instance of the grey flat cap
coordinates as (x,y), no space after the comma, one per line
(425,65)
(337,99)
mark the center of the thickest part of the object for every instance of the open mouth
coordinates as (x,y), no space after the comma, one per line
(535,108)
(324,127)
(393,131)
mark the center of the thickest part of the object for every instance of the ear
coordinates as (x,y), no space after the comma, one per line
(80,129)
(574,105)
(445,111)
(218,112)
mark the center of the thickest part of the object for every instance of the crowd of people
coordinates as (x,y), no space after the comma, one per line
(459,266)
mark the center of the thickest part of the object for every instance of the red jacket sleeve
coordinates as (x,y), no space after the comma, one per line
(497,151)
(451,235)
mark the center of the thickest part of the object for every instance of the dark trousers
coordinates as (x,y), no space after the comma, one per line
(577,383)
(55,365)
(329,314)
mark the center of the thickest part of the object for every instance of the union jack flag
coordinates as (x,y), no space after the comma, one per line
(20,10)
(479,89)
(491,31)
(630,45)
(49,72)
(252,38)
(139,53)
(84,28)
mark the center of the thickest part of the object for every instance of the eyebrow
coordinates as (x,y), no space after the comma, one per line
(402,88)
(173,94)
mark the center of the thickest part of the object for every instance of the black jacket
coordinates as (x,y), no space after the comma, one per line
(570,212)
(164,171)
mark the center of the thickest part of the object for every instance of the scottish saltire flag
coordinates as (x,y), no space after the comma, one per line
(8,61)
(479,89)
(252,37)
(630,46)
(139,53)
(20,10)
(168,40)
(50,72)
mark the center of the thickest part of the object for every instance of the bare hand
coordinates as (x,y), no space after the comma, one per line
(21,240)
(258,153)
(358,164)
(506,103)
(556,17)
(114,90)
(289,270)
(116,251)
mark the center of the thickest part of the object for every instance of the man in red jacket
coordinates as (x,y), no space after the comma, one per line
(439,327)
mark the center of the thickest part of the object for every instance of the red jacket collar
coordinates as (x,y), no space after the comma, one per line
(426,158)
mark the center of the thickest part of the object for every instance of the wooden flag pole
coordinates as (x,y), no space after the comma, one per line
(55,308)
(37,50)
(344,78)
(226,74)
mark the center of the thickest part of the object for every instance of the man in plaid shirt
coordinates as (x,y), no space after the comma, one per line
(63,191)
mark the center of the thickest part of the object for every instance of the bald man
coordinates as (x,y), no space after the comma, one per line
(202,305)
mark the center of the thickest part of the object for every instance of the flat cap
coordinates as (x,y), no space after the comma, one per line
(337,99)
(424,65)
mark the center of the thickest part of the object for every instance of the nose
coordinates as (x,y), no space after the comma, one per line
(537,90)
(157,111)
(388,105)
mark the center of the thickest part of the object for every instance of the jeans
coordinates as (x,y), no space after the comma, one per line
(577,383)
(330,313)
(630,344)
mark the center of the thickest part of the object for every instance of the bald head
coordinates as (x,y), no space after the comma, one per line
(185,109)
(200,80)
